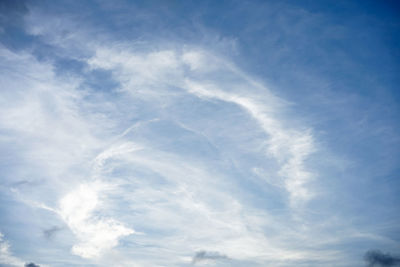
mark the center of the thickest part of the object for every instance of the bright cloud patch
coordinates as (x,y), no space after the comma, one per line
(95,234)
(6,256)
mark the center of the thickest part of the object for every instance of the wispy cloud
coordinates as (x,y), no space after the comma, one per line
(6,257)
(173,149)
(138,170)
(288,146)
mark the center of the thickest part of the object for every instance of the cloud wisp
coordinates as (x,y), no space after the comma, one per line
(6,257)
(145,152)
(140,171)
(289,147)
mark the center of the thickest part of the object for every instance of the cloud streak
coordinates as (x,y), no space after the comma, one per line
(140,148)
(289,147)
(147,175)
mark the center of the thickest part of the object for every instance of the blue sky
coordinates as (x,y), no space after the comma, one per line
(199,133)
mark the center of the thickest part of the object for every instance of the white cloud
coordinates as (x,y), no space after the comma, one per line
(56,136)
(180,204)
(96,234)
(6,257)
(184,147)
(290,147)
(44,112)
(176,194)
(139,72)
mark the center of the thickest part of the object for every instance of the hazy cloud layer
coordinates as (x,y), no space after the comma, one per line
(137,134)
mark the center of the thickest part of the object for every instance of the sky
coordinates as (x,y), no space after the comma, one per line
(199,133)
